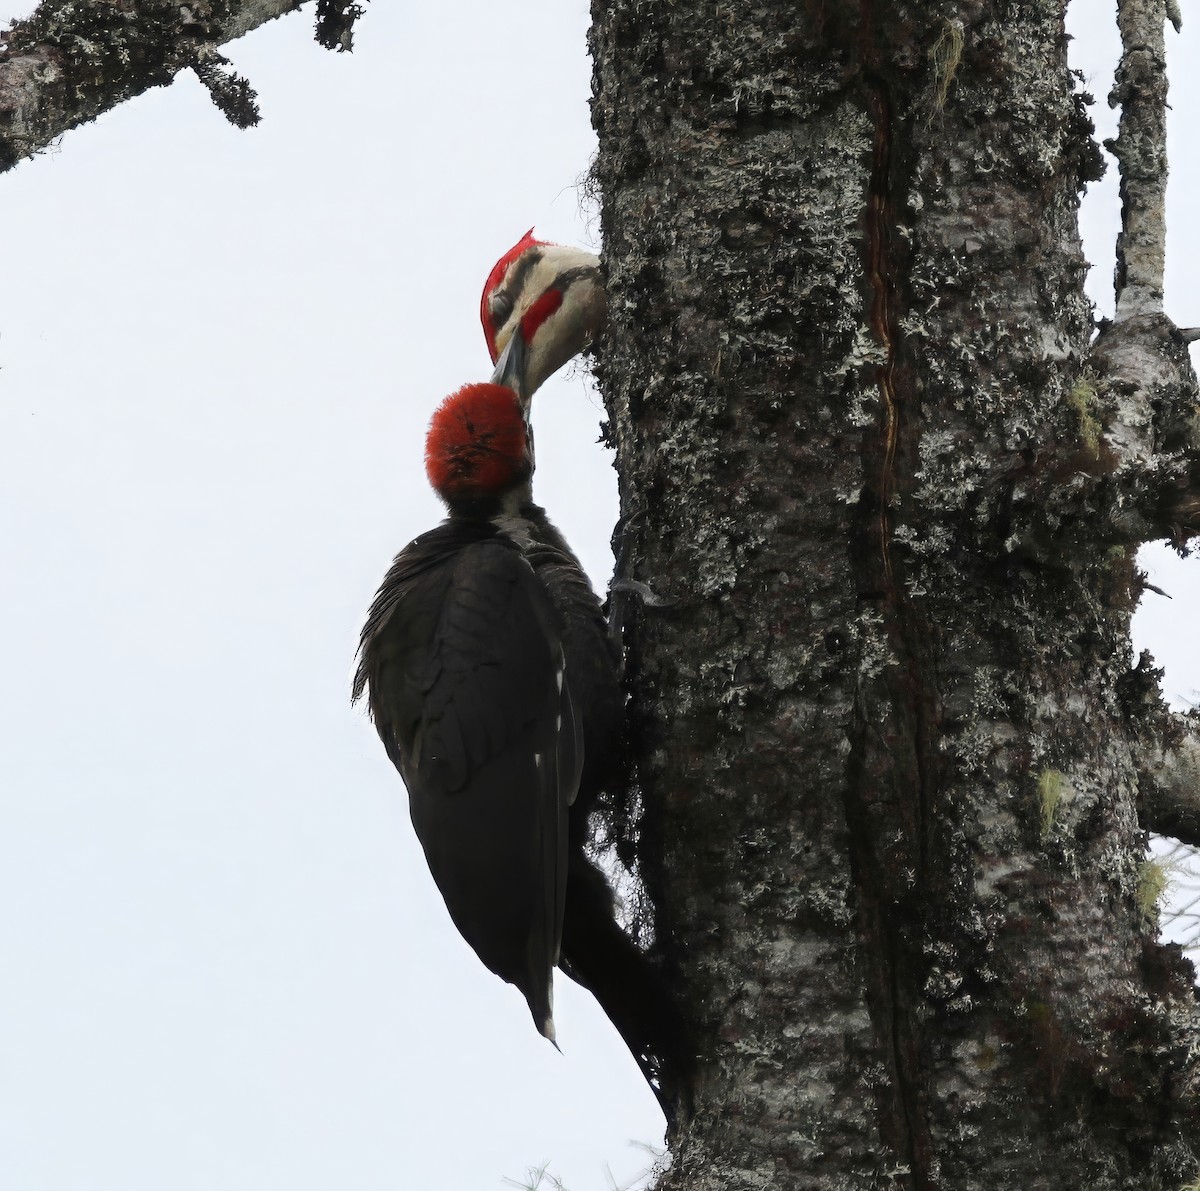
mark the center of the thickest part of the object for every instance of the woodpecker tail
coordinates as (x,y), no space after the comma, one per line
(541,1007)
(599,955)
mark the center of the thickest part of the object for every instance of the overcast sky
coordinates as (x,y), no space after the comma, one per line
(225,967)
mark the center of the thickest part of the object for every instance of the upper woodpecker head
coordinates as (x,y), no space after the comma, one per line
(542,304)
(478,449)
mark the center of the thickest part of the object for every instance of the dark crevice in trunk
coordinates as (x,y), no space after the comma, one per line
(889,918)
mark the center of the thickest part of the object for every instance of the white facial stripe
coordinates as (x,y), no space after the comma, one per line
(566,332)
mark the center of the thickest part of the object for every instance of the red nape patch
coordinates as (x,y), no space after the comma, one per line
(477,444)
(541,310)
(495,277)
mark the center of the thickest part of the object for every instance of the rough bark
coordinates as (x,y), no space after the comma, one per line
(889,727)
(69,61)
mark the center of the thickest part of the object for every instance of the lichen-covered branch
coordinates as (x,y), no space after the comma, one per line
(1141,388)
(1128,457)
(1140,90)
(1169,782)
(1134,410)
(70,60)
(1169,772)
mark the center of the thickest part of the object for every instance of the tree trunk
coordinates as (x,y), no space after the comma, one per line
(889,726)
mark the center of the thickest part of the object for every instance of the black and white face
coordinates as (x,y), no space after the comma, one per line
(552,300)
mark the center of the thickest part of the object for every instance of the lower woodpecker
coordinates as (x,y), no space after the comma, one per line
(495,687)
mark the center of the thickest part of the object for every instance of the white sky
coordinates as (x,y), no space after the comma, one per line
(225,965)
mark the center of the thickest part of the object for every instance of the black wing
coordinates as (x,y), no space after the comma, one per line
(592,662)
(465,665)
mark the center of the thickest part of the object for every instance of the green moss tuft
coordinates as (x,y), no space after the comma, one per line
(1153,881)
(1051,787)
(1081,399)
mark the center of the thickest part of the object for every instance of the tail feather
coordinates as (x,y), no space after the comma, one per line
(599,955)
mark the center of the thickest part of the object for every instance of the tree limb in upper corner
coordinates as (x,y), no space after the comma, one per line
(70,60)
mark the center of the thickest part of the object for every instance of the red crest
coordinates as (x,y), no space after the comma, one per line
(495,277)
(477,444)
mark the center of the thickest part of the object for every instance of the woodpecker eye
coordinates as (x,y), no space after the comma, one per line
(501,307)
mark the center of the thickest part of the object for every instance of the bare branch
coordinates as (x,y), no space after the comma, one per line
(1169,783)
(69,61)
(1140,90)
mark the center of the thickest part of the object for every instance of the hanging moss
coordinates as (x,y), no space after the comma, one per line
(1154,878)
(1082,400)
(946,54)
(1051,788)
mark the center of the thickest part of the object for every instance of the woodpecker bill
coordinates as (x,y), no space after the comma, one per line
(542,305)
(494,687)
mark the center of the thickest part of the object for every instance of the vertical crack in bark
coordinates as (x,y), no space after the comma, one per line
(882,318)
(892,769)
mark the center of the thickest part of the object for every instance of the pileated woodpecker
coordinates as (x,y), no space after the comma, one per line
(542,304)
(464,659)
(495,688)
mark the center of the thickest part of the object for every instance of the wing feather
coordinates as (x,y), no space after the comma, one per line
(463,659)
